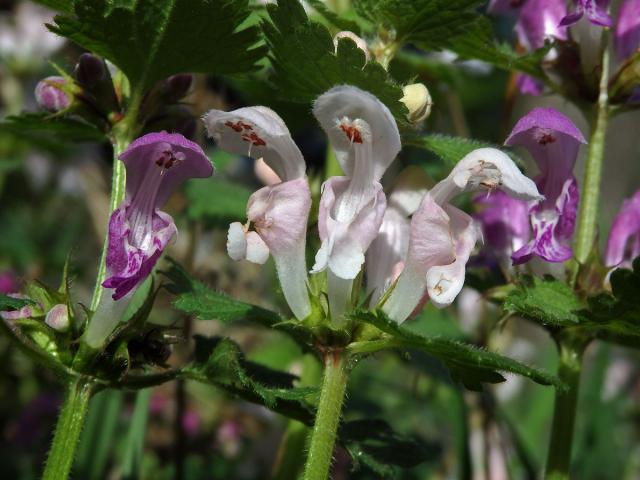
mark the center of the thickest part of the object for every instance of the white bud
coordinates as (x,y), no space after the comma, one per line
(360,43)
(58,318)
(418,100)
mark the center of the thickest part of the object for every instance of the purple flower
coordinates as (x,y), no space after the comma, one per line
(596,11)
(623,244)
(504,220)
(156,164)
(627,34)
(553,141)
(50,94)
(539,20)
(24,312)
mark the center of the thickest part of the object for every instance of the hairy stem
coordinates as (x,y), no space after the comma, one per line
(564,413)
(67,434)
(588,213)
(325,428)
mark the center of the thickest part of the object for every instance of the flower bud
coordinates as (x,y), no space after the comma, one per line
(177,86)
(360,43)
(90,70)
(50,94)
(58,318)
(418,100)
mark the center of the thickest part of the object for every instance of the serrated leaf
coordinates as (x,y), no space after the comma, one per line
(219,361)
(152,39)
(194,298)
(545,300)
(306,64)
(452,149)
(467,363)
(217,200)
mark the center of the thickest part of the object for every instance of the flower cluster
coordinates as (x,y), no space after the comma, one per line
(412,246)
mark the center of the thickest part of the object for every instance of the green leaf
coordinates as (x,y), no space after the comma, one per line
(333,18)
(616,317)
(478,42)
(545,300)
(10,303)
(467,363)
(449,24)
(373,443)
(59,5)
(217,201)
(420,21)
(305,64)
(134,444)
(195,298)
(452,149)
(46,130)
(150,40)
(220,362)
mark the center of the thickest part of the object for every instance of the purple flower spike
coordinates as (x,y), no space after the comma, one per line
(623,244)
(553,141)
(157,164)
(529,85)
(596,11)
(627,35)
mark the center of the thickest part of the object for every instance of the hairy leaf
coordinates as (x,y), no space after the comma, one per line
(152,39)
(548,301)
(194,298)
(220,362)
(306,64)
(467,363)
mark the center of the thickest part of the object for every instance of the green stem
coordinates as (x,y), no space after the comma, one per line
(123,133)
(564,414)
(325,428)
(70,421)
(588,214)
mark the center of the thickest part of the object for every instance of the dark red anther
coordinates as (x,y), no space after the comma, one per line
(234,126)
(352,133)
(546,139)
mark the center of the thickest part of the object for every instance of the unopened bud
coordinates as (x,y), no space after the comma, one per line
(50,94)
(177,86)
(58,318)
(360,43)
(418,101)
(90,70)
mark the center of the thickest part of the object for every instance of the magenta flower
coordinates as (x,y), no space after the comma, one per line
(596,11)
(623,244)
(365,138)
(8,282)
(278,212)
(443,236)
(156,164)
(627,29)
(553,141)
(504,221)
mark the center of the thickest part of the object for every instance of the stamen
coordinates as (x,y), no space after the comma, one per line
(351,129)
(544,136)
